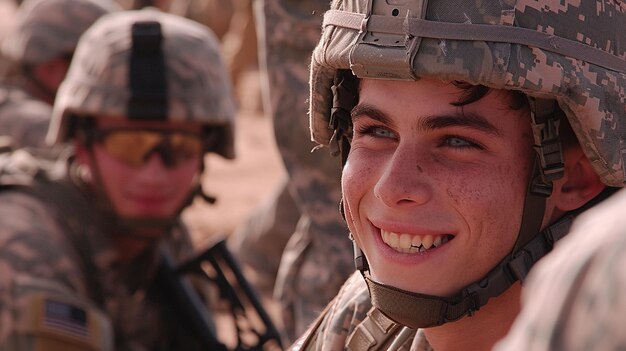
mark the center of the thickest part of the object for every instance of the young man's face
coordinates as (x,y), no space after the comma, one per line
(433,192)
(144,173)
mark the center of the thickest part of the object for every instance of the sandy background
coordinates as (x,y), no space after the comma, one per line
(241,184)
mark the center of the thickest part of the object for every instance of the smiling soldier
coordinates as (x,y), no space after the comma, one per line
(471,133)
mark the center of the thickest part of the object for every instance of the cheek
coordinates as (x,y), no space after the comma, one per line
(491,203)
(114,175)
(357,177)
(181,177)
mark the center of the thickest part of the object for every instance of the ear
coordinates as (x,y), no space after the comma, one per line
(580,183)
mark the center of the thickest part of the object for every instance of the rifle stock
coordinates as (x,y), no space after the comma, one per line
(254,328)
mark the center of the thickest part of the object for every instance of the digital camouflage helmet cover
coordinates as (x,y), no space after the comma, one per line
(147,64)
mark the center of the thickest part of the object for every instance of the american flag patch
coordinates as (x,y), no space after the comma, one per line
(65,318)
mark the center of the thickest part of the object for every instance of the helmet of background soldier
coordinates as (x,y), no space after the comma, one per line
(47,29)
(571,53)
(148,65)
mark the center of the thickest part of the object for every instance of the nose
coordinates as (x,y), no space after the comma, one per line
(404,181)
(154,170)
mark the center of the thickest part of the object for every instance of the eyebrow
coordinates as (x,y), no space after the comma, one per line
(433,122)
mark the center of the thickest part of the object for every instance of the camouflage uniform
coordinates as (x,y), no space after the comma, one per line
(44,30)
(23,118)
(585,73)
(62,255)
(575,297)
(63,285)
(317,258)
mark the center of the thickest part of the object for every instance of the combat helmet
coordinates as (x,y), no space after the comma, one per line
(147,65)
(568,53)
(46,29)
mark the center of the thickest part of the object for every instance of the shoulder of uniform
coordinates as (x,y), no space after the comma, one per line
(347,310)
(45,315)
(17,167)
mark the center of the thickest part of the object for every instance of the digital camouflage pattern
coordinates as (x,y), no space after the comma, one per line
(59,249)
(23,118)
(337,322)
(43,30)
(198,86)
(318,256)
(350,316)
(48,29)
(585,73)
(575,298)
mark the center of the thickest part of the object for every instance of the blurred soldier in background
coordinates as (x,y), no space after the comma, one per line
(318,257)
(146,96)
(38,49)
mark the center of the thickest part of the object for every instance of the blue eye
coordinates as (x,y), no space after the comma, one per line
(382,132)
(375,131)
(457,142)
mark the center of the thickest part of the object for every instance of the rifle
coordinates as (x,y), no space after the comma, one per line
(254,328)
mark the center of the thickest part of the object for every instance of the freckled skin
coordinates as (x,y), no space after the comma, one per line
(474,193)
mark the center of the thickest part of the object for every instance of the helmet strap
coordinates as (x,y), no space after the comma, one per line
(423,311)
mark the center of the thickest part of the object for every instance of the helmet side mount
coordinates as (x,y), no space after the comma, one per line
(147,81)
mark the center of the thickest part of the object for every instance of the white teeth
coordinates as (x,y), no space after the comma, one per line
(416,241)
(393,240)
(427,241)
(407,243)
(437,241)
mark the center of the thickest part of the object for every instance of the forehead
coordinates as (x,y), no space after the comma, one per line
(114,122)
(429,97)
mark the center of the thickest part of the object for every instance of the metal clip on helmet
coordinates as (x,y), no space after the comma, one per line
(571,54)
(147,65)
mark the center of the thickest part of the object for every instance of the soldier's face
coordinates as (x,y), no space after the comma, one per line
(155,181)
(433,193)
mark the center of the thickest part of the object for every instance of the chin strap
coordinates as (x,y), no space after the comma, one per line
(422,311)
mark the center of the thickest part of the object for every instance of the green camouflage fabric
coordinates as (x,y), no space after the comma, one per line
(198,86)
(337,326)
(576,54)
(318,256)
(47,29)
(60,247)
(339,319)
(23,118)
(574,299)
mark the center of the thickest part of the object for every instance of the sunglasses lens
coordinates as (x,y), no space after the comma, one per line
(135,147)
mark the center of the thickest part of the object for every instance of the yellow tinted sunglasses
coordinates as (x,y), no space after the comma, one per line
(134,147)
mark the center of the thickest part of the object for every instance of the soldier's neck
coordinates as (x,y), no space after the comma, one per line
(130,246)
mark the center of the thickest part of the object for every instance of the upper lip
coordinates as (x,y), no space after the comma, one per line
(411,229)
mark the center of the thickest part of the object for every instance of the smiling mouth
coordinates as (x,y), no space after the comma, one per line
(407,243)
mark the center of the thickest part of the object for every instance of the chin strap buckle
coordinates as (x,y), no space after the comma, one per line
(545,121)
